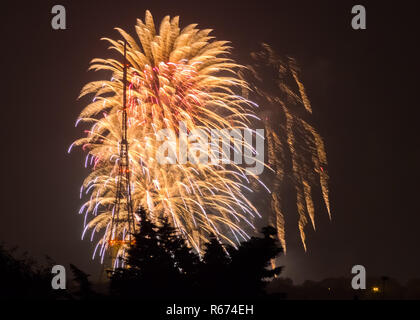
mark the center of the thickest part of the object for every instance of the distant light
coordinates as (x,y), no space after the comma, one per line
(375,289)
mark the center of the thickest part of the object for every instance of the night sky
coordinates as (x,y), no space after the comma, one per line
(361,85)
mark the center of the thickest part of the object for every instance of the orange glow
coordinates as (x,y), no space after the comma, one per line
(116,242)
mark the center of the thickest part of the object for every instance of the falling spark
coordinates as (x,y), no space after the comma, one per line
(295,151)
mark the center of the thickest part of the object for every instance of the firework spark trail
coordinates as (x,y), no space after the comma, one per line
(174,76)
(293,144)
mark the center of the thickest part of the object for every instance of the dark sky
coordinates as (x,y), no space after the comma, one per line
(362,88)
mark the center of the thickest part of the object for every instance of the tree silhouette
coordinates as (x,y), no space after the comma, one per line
(251,263)
(21,277)
(232,273)
(161,265)
(214,275)
(84,291)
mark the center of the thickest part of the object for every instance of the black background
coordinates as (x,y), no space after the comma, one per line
(362,85)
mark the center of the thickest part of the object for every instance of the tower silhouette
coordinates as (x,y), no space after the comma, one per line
(122,214)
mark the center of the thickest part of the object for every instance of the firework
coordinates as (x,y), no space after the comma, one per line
(176,78)
(295,150)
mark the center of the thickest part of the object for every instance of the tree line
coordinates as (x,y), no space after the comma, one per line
(161,265)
